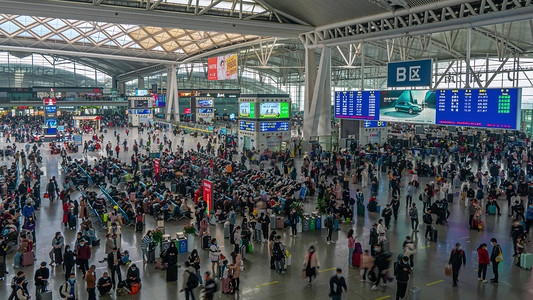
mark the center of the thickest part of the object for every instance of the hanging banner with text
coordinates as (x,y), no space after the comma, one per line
(156,165)
(222,67)
(207,194)
(409,73)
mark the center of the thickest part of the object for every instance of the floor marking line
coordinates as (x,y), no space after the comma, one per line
(424,247)
(432,283)
(265,284)
(464,237)
(326,270)
(388,296)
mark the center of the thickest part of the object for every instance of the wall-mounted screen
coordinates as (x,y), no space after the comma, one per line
(51,131)
(187,110)
(205,103)
(247,126)
(247,110)
(141,92)
(417,106)
(274,110)
(51,109)
(51,123)
(371,124)
(492,108)
(273,126)
(205,110)
(362,105)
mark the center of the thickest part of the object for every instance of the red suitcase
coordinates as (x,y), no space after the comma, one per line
(356,260)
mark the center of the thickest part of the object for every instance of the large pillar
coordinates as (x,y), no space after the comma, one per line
(122,88)
(173,106)
(114,82)
(140,82)
(317,110)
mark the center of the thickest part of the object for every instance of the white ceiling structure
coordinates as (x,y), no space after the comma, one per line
(135,36)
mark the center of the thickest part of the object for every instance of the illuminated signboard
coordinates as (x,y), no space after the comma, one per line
(274,110)
(247,110)
(370,124)
(247,126)
(362,105)
(273,126)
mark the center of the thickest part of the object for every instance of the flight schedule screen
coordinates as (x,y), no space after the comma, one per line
(363,105)
(490,108)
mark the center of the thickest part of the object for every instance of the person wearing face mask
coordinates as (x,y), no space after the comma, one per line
(214,256)
(104,284)
(311,264)
(145,243)
(90,281)
(402,272)
(113,263)
(56,254)
(337,285)
(68,262)
(457,258)
(132,276)
(83,254)
(69,290)
(293,219)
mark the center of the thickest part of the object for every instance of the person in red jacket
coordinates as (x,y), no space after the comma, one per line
(484,261)
(83,254)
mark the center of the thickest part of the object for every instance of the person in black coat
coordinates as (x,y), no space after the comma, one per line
(41,279)
(68,262)
(457,258)
(113,263)
(402,272)
(373,238)
(132,277)
(104,284)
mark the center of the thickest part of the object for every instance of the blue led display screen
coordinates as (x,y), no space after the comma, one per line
(205,110)
(363,105)
(273,126)
(490,108)
(370,124)
(247,126)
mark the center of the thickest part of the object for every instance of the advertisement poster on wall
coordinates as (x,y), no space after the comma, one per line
(274,110)
(207,195)
(156,165)
(408,106)
(222,67)
(247,110)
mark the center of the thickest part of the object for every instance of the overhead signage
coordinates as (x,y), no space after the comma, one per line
(50,109)
(49,101)
(205,110)
(411,106)
(247,126)
(409,73)
(205,102)
(51,123)
(371,124)
(247,110)
(273,126)
(142,92)
(222,67)
(274,110)
(362,105)
(143,111)
(188,110)
(487,108)
(492,108)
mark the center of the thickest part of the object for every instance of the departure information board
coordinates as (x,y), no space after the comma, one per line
(273,126)
(490,108)
(362,105)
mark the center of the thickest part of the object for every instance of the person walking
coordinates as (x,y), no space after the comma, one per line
(311,264)
(113,263)
(278,253)
(68,262)
(214,256)
(90,281)
(409,250)
(382,263)
(271,242)
(41,280)
(189,281)
(337,285)
(69,290)
(484,261)
(496,258)
(210,287)
(367,263)
(293,220)
(409,192)
(145,243)
(83,254)
(395,204)
(235,266)
(413,214)
(402,272)
(351,247)
(457,258)
(428,220)
(387,215)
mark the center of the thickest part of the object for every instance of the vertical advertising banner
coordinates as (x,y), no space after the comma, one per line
(207,195)
(222,67)
(156,165)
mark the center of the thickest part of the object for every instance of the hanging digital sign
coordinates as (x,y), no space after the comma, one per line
(274,110)
(247,126)
(205,110)
(363,105)
(409,106)
(490,108)
(247,110)
(273,126)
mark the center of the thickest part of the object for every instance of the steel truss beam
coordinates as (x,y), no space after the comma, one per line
(144,17)
(437,17)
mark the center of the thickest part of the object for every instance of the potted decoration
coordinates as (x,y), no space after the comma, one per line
(322,209)
(157,237)
(190,232)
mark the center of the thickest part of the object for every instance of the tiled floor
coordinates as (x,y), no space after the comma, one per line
(259,282)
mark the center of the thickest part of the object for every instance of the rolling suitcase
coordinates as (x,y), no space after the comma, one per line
(151,256)
(272,222)
(227,287)
(280,222)
(336,225)
(492,209)
(360,210)
(414,293)
(172,272)
(434,234)
(27,259)
(139,227)
(356,260)
(227,232)
(206,239)
(526,261)
(47,295)
(58,258)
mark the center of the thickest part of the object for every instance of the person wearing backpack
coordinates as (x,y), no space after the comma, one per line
(413,214)
(278,255)
(69,290)
(329,223)
(428,220)
(457,258)
(189,282)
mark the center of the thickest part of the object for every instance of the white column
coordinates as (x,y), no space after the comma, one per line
(172,94)
(140,82)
